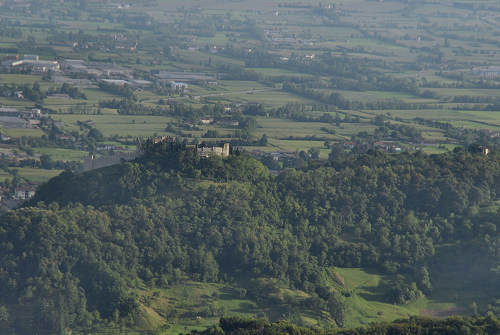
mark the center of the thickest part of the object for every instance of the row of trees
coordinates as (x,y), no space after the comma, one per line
(475,325)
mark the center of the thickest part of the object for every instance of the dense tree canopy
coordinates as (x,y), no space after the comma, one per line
(452,326)
(172,215)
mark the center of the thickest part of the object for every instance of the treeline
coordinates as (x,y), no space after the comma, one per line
(34,93)
(30,92)
(336,99)
(71,91)
(124,91)
(451,326)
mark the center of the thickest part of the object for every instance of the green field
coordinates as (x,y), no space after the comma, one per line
(195,305)
(366,302)
(20,132)
(59,154)
(121,125)
(19,79)
(37,175)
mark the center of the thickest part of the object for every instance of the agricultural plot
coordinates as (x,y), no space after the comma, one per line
(60,154)
(121,125)
(37,175)
(20,132)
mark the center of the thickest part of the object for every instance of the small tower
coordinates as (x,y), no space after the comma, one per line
(484,150)
(225,151)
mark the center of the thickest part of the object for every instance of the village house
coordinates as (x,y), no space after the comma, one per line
(388,146)
(282,155)
(5,138)
(206,120)
(24,193)
(178,86)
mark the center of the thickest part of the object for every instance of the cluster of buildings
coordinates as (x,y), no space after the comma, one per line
(105,72)
(280,38)
(79,73)
(20,195)
(181,80)
(95,69)
(489,72)
(206,151)
(87,72)
(15,118)
(203,150)
(31,63)
(388,146)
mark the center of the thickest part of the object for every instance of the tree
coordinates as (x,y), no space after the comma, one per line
(4,315)
(46,162)
(336,307)
(263,140)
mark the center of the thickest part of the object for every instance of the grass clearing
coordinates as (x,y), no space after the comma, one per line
(193,305)
(365,304)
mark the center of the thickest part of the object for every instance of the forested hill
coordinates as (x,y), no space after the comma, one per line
(452,326)
(152,174)
(87,240)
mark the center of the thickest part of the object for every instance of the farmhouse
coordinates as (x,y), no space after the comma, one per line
(178,86)
(388,146)
(206,120)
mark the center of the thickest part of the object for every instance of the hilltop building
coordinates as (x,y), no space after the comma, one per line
(208,151)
